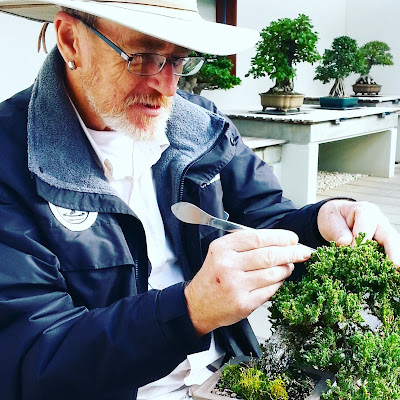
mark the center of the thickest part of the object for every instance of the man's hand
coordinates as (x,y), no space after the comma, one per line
(241,272)
(342,220)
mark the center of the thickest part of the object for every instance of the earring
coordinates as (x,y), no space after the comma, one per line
(71,65)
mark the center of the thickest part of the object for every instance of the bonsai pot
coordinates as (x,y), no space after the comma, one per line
(338,102)
(282,102)
(365,88)
(205,391)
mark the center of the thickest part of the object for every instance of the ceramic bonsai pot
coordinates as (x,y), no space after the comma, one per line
(365,88)
(205,391)
(338,102)
(282,102)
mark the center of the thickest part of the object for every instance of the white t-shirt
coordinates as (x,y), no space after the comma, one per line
(127,166)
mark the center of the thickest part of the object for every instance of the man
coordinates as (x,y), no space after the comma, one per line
(104,293)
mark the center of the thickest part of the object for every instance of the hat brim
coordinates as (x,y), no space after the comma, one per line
(183,28)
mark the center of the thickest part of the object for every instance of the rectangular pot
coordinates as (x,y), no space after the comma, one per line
(204,391)
(338,103)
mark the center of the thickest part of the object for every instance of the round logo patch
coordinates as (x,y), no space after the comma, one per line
(74,220)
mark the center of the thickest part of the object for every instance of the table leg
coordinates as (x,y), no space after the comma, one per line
(299,172)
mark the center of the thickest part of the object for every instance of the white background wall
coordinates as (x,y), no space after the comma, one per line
(364,20)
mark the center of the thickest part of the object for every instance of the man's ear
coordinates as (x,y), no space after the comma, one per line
(67,33)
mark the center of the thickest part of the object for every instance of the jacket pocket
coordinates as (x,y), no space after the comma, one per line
(102,245)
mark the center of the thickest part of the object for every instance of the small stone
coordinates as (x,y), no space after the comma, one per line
(330,180)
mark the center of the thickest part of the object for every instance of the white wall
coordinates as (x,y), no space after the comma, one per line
(378,20)
(364,20)
(20,61)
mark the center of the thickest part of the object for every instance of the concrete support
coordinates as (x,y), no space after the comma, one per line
(299,169)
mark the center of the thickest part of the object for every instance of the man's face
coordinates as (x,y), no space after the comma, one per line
(118,100)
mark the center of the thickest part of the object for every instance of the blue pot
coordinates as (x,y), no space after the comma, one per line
(339,103)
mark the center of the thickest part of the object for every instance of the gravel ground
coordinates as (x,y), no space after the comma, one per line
(330,180)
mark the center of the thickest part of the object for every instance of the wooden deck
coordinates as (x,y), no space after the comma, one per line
(384,192)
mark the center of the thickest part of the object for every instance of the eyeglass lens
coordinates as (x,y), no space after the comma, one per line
(151,64)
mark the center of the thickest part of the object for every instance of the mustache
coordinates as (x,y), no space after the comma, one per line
(152,99)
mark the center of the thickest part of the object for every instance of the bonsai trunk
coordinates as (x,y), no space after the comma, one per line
(365,80)
(187,83)
(286,86)
(339,89)
(200,86)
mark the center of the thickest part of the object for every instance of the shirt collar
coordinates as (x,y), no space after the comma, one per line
(120,155)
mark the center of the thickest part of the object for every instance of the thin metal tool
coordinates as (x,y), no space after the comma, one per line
(191,214)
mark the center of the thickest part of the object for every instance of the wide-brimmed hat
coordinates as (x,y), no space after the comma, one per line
(175,21)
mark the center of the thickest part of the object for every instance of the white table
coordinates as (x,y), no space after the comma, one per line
(373,101)
(360,140)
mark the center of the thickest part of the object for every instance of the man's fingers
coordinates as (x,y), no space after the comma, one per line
(342,221)
(332,224)
(389,238)
(263,294)
(250,239)
(269,276)
(272,256)
(366,217)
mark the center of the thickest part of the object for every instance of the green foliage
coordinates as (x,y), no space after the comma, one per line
(373,53)
(326,311)
(248,382)
(284,43)
(340,61)
(215,74)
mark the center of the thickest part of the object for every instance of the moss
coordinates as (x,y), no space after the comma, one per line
(250,383)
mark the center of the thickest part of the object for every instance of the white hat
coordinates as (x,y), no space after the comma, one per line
(175,21)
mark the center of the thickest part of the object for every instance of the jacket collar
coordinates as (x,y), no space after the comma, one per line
(58,151)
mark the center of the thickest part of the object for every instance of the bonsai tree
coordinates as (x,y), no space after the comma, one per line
(338,63)
(372,53)
(344,316)
(284,43)
(215,74)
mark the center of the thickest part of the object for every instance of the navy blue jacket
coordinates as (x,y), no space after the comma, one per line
(76,319)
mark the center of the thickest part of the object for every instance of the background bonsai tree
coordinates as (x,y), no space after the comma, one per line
(215,74)
(338,63)
(372,53)
(344,316)
(283,44)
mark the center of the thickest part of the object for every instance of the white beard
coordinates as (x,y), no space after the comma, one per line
(123,125)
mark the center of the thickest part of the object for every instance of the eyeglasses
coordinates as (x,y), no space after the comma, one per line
(147,64)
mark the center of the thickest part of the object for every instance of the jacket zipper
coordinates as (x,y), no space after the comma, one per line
(180,194)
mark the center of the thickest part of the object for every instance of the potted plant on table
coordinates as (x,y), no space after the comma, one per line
(215,74)
(343,316)
(337,64)
(284,43)
(372,53)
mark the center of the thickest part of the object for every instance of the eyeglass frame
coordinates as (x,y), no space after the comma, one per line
(129,58)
